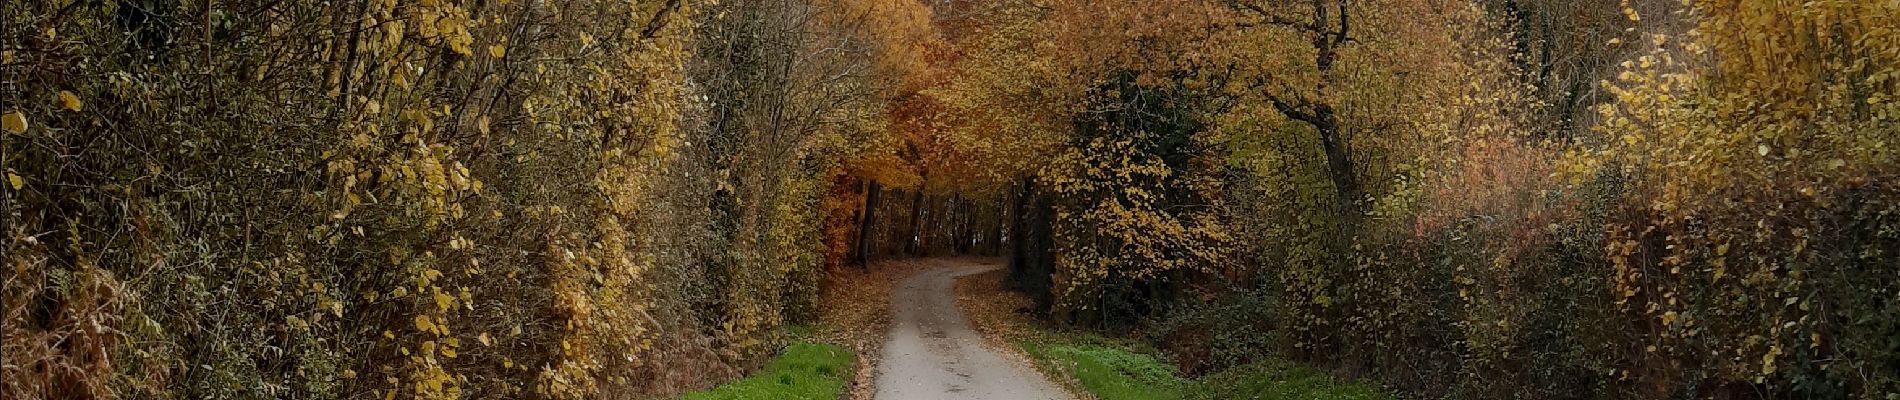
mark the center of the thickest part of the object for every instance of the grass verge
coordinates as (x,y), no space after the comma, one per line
(1102,368)
(804,370)
(1279,379)
(1108,370)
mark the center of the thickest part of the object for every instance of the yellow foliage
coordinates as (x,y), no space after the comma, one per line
(69,101)
(14,122)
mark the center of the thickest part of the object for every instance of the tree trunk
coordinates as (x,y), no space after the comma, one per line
(1003,214)
(1018,255)
(911,245)
(959,233)
(1339,164)
(867,226)
(1032,258)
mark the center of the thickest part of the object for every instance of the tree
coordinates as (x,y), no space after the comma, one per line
(1327,27)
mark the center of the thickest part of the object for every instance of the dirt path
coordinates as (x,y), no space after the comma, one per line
(932,352)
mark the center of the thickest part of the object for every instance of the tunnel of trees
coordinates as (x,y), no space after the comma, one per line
(1494,199)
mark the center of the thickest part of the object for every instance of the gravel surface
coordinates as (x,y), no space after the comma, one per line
(932,352)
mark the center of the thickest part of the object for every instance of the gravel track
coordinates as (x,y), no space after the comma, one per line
(933,353)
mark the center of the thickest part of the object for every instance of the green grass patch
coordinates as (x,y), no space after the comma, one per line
(1111,370)
(804,370)
(1278,380)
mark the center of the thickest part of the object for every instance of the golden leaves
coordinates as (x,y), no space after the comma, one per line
(396,182)
(1768,364)
(444,23)
(1727,164)
(14,122)
(443,301)
(69,101)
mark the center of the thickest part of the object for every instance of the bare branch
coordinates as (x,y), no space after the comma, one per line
(659,19)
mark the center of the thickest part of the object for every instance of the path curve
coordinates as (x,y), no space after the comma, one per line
(932,352)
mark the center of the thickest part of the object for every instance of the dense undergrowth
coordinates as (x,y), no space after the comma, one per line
(435,199)
(1486,199)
